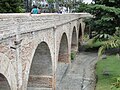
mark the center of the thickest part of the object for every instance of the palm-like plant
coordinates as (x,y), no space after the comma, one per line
(114,42)
(106,41)
(100,37)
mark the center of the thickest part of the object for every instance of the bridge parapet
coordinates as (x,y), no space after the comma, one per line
(23,23)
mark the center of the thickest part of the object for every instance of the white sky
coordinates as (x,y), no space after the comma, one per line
(87,1)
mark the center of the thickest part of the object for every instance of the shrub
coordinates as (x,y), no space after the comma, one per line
(72,55)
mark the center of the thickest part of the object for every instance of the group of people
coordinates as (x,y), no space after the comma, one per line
(36,10)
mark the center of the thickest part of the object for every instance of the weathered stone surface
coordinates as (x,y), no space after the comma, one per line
(40,81)
(21,36)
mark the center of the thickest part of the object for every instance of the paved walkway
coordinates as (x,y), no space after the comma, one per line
(80,74)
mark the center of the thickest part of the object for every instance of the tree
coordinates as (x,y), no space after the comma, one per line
(11,6)
(105,23)
(106,18)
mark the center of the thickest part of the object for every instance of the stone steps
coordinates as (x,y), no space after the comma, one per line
(36,88)
(37,81)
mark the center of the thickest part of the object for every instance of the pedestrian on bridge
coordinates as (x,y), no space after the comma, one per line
(35,10)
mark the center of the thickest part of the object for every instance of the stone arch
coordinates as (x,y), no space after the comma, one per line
(4,84)
(7,73)
(40,74)
(74,40)
(63,49)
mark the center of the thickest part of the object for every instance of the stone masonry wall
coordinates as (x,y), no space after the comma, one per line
(20,34)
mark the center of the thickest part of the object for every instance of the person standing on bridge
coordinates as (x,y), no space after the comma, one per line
(35,10)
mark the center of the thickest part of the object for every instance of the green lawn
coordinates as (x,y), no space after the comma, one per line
(111,67)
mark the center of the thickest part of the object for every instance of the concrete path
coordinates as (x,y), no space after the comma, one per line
(80,74)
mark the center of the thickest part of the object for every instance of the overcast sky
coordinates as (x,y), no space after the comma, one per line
(87,1)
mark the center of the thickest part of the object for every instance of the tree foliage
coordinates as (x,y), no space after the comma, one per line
(11,6)
(106,18)
(111,3)
(106,22)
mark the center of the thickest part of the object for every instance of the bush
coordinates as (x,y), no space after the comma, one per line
(72,55)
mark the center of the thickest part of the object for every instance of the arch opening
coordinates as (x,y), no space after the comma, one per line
(74,41)
(4,85)
(41,68)
(80,32)
(63,50)
(79,37)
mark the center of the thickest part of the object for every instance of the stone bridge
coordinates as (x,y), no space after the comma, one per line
(32,47)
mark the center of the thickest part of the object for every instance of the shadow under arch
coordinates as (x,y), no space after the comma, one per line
(4,85)
(40,74)
(74,45)
(80,32)
(79,37)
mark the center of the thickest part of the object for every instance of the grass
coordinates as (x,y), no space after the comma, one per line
(107,71)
